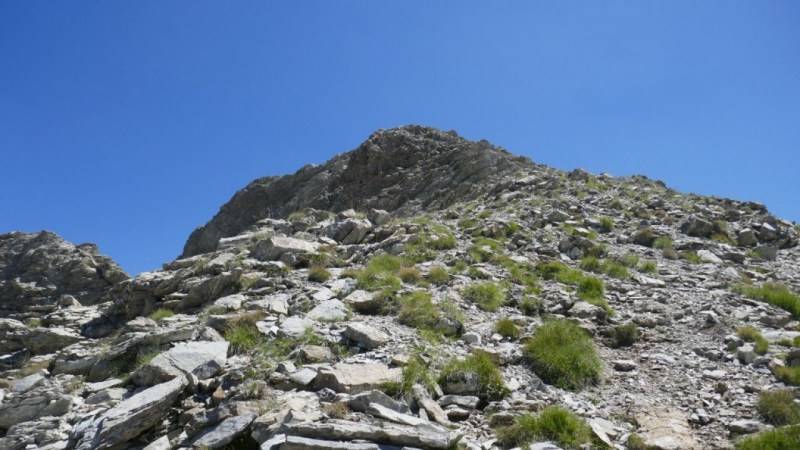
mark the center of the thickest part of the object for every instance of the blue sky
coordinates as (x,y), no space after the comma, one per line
(130,123)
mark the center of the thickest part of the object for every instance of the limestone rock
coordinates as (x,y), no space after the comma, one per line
(203,359)
(666,430)
(355,378)
(273,248)
(365,336)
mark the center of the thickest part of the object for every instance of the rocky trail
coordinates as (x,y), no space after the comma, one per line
(441,294)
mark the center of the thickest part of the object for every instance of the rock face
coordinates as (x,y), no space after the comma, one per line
(400,169)
(37,270)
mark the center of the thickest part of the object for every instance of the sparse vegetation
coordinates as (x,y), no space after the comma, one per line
(418,311)
(785,438)
(490,380)
(648,266)
(690,256)
(409,275)
(161,313)
(318,274)
(438,275)
(561,354)
(779,407)
(788,375)
(775,294)
(554,423)
(243,335)
(530,306)
(380,273)
(606,224)
(488,296)
(507,328)
(625,335)
(748,333)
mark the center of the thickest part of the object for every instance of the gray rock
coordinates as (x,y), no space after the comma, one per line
(745,354)
(49,340)
(362,301)
(273,248)
(624,365)
(746,238)
(379,217)
(203,359)
(130,417)
(49,398)
(328,311)
(697,227)
(355,378)
(365,336)
(304,376)
(709,257)
(294,327)
(350,231)
(544,446)
(230,302)
(111,396)
(428,436)
(224,433)
(471,338)
(745,426)
(24,385)
(465,401)
(666,430)
(360,402)
(161,443)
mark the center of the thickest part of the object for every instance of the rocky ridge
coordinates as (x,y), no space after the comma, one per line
(345,328)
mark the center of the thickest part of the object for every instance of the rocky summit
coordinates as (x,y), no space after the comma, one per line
(419,292)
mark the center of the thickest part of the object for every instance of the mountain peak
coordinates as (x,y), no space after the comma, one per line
(402,169)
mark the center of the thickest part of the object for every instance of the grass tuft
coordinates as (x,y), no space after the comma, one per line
(490,379)
(779,407)
(775,294)
(488,296)
(161,314)
(561,354)
(786,438)
(507,328)
(554,423)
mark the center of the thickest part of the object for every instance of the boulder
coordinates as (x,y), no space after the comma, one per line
(128,418)
(49,340)
(328,311)
(294,327)
(223,433)
(697,227)
(365,336)
(355,378)
(202,358)
(429,436)
(349,231)
(47,397)
(273,248)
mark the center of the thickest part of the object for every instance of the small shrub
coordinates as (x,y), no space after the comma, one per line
(410,275)
(161,314)
(786,438)
(530,306)
(561,354)
(590,264)
(690,256)
(629,260)
(648,267)
(418,311)
(625,335)
(645,237)
(750,334)
(775,294)
(490,379)
(438,275)
(554,423)
(616,270)
(788,375)
(550,270)
(779,407)
(606,224)
(507,328)
(591,288)
(488,296)
(662,242)
(318,274)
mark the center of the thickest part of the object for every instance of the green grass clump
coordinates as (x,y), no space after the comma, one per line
(530,306)
(161,314)
(616,270)
(786,438)
(750,334)
(645,237)
(788,375)
(416,371)
(690,256)
(662,242)
(561,354)
(507,328)
(490,379)
(648,266)
(488,296)
(409,275)
(629,260)
(438,275)
(319,274)
(590,288)
(775,294)
(243,337)
(554,423)
(779,407)
(480,254)
(625,335)
(570,276)
(380,273)
(606,224)
(590,264)
(418,311)
(549,270)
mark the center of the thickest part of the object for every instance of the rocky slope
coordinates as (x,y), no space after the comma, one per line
(298,327)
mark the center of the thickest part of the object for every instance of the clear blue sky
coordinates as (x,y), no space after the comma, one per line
(129,123)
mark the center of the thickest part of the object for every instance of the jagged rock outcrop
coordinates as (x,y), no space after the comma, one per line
(403,169)
(38,271)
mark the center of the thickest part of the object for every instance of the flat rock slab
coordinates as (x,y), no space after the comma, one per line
(329,310)
(203,358)
(301,443)
(223,433)
(666,430)
(273,248)
(429,436)
(130,417)
(367,337)
(294,327)
(355,378)
(49,340)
